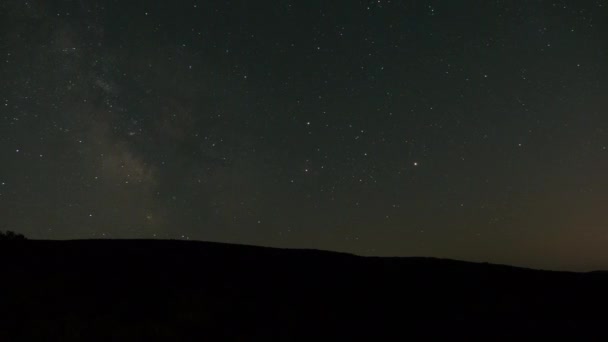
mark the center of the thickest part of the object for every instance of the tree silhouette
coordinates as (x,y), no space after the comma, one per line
(10,235)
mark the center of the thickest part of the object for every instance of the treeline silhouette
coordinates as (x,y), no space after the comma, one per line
(10,235)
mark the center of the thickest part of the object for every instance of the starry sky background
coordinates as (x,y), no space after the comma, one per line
(473,130)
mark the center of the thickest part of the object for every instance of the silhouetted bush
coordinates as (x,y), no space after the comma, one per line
(10,235)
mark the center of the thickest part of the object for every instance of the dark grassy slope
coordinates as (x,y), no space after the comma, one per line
(142,290)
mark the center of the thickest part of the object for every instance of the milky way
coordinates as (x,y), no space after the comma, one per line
(474,130)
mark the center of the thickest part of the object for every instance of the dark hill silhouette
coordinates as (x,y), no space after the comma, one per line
(138,290)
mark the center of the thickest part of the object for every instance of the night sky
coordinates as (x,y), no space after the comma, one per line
(474,130)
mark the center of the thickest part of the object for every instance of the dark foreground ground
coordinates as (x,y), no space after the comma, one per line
(184,291)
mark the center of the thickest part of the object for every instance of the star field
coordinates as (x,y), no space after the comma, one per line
(473,130)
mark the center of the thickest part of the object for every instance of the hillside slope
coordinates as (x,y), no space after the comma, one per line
(176,290)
